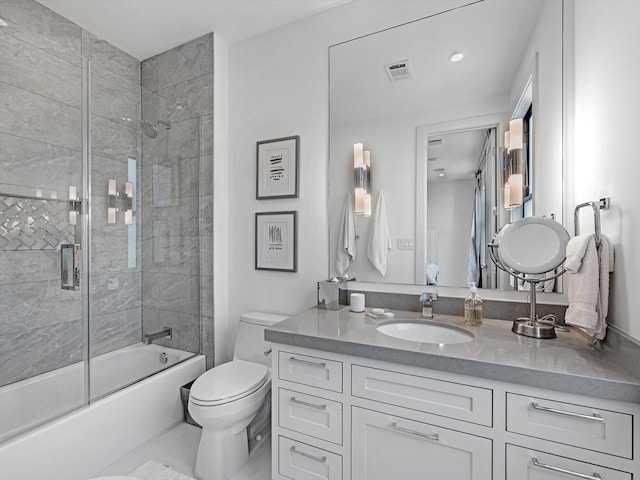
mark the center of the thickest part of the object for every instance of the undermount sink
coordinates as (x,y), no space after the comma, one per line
(425,331)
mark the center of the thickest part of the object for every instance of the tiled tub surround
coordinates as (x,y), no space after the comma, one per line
(160,268)
(177,195)
(40,155)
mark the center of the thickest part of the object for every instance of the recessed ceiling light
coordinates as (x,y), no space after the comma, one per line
(3,23)
(456,57)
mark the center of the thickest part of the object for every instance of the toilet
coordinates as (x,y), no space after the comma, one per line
(225,399)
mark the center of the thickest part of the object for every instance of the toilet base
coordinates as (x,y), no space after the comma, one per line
(221,454)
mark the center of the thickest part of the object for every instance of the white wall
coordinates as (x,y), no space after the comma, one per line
(220,205)
(278,86)
(606,162)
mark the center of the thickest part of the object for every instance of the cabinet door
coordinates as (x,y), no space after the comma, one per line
(387,447)
(525,464)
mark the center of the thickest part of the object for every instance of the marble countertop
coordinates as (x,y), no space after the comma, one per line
(568,363)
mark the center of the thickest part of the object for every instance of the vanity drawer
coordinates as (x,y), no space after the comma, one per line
(313,371)
(311,415)
(525,464)
(448,399)
(577,425)
(300,461)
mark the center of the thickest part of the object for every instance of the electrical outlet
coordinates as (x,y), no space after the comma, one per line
(405,244)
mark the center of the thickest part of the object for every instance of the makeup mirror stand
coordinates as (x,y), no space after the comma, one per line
(532,326)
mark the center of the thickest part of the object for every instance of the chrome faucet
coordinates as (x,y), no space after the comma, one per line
(150,337)
(427,300)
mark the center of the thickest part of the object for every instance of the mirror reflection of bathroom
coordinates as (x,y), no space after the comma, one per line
(513,73)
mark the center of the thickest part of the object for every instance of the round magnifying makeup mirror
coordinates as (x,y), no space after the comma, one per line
(527,249)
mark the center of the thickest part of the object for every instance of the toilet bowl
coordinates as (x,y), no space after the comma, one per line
(225,400)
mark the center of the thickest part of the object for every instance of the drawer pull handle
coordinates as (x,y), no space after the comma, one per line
(306,404)
(307,362)
(595,417)
(321,459)
(536,463)
(433,436)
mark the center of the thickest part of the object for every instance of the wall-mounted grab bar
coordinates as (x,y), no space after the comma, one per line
(601,204)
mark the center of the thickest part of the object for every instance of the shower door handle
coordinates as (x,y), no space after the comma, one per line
(70,257)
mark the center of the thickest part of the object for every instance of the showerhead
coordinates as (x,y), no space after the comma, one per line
(151,130)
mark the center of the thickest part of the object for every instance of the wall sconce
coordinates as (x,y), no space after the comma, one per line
(74,205)
(112,195)
(513,165)
(362,179)
(128,200)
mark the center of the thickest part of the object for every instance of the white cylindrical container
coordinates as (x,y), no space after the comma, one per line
(357,302)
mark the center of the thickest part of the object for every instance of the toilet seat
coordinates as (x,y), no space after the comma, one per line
(228,382)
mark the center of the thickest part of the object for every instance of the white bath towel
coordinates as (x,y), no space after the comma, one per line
(379,238)
(588,284)
(346,238)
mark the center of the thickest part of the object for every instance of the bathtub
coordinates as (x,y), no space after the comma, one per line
(80,443)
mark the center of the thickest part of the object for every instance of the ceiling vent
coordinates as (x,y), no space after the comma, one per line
(398,70)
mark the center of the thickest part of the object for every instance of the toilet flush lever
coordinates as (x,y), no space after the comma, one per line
(268,352)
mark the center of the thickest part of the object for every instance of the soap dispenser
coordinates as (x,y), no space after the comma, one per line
(473,307)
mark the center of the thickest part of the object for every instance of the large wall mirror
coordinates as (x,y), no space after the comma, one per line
(432,134)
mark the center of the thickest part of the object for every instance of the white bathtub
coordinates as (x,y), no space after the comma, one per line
(85,441)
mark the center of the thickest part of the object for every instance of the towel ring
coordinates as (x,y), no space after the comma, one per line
(601,204)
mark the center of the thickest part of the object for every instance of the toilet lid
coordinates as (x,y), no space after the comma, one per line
(228,382)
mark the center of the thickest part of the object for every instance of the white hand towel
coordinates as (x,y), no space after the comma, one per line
(576,248)
(346,238)
(379,238)
(588,286)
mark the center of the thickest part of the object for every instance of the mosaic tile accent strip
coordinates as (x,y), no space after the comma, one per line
(34,224)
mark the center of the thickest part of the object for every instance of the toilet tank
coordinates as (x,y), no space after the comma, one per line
(250,343)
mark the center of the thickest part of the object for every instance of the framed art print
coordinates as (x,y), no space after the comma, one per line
(276,241)
(277,168)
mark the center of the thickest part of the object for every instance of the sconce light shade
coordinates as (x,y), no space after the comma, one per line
(358,155)
(74,205)
(362,179)
(513,192)
(515,134)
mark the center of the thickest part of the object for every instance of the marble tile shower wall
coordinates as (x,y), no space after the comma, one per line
(40,149)
(116,285)
(177,196)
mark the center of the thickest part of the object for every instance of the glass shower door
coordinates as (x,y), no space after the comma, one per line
(42,315)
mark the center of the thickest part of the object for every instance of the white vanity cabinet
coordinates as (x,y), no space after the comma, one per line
(342,417)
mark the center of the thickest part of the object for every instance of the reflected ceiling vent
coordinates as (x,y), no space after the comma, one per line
(398,70)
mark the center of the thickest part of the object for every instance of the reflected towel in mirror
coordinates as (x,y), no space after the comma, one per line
(346,238)
(379,238)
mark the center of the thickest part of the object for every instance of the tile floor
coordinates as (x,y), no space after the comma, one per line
(177,449)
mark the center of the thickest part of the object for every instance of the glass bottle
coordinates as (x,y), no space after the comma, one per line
(473,307)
